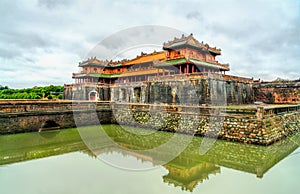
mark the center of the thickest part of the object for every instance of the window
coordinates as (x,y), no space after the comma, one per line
(95,69)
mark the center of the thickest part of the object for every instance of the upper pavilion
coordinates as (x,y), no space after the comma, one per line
(184,55)
(188,55)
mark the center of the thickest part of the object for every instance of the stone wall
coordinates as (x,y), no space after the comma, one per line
(210,91)
(277,92)
(233,128)
(136,92)
(260,125)
(28,116)
(35,122)
(192,89)
(82,91)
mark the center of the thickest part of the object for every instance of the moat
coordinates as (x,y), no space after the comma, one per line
(59,161)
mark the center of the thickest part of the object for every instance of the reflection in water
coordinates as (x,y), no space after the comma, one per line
(49,134)
(188,177)
(185,171)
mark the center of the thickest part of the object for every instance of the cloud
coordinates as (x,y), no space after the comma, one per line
(51,4)
(195,15)
(136,38)
(258,38)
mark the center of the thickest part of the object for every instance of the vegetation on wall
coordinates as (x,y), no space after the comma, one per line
(47,92)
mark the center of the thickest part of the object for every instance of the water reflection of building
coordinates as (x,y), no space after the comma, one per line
(188,177)
(187,170)
(182,172)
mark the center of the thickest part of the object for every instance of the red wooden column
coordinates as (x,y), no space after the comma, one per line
(180,69)
(193,66)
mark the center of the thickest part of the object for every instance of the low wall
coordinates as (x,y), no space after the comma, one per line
(29,116)
(278,92)
(216,123)
(248,124)
(18,123)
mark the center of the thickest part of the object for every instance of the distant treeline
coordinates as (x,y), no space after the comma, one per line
(47,92)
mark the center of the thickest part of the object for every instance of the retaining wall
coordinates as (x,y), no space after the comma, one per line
(216,123)
(280,92)
(256,125)
(29,116)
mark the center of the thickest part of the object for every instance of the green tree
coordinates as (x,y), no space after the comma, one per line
(49,92)
(60,96)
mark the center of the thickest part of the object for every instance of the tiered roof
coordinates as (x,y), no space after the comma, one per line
(93,61)
(192,42)
(178,61)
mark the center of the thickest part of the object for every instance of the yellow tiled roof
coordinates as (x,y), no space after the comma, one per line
(147,58)
(142,72)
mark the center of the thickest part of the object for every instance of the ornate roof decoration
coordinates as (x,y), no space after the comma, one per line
(93,61)
(191,41)
(116,63)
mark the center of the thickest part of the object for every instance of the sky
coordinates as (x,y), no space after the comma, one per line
(42,41)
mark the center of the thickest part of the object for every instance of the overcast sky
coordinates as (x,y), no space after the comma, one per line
(42,41)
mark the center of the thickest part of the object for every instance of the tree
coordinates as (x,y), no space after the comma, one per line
(60,96)
(3,87)
(49,92)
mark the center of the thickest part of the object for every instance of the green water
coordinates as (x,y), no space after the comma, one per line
(112,159)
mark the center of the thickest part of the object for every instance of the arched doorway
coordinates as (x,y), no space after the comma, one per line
(93,95)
